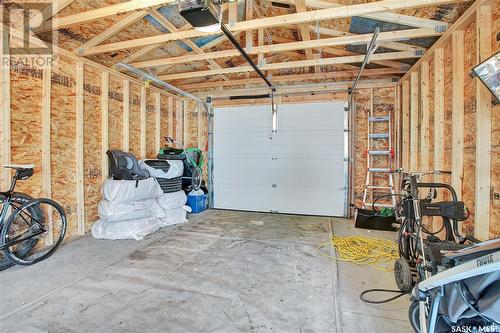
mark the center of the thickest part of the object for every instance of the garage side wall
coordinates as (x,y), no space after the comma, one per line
(449,121)
(64,118)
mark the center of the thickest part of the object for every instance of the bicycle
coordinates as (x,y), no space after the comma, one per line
(31,230)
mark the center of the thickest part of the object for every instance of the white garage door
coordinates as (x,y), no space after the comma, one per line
(298,170)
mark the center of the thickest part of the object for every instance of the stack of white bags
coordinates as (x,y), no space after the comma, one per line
(135,209)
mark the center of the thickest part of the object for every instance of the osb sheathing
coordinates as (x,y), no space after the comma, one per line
(26,103)
(26,124)
(468,187)
(135,120)
(115,113)
(150,125)
(469,156)
(164,120)
(62,140)
(495,130)
(92,128)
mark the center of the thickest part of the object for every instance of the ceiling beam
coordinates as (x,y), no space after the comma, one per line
(296,18)
(293,64)
(166,23)
(294,78)
(120,25)
(99,13)
(316,43)
(317,87)
(460,23)
(411,21)
(300,7)
(49,11)
(398,46)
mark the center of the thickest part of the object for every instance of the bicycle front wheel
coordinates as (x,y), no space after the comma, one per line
(46,231)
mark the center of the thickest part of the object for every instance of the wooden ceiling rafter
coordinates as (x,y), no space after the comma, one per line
(294,64)
(298,45)
(99,13)
(172,28)
(292,78)
(389,17)
(289,19)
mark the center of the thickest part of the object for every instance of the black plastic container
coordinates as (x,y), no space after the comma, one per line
(369,219)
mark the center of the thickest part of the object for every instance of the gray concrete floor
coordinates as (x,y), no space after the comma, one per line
(223,271)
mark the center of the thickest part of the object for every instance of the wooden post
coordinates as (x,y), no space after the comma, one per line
(439,113)
(104,124)
(458,83)
(143,122)
(5,143)
(178,120)
(424,107)
(483,127)
(414,120)
(46,167)
(157,122)
(126,115)
(80,198)
(185,123)
(199,125)
(260,41)
(171,117)
(406,124)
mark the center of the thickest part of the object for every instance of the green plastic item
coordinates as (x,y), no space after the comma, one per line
(386,212)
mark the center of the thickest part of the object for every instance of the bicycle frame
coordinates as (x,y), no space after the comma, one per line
(7,204)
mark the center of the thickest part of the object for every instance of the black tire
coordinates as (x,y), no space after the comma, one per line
(403,276)
(196,179)
(20,199)
(414,316)
(18,220)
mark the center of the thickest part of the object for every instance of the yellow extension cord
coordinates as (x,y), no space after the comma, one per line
(380,253)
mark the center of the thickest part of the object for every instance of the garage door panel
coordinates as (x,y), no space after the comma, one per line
(243,145)
(248,171)
(256,118)
(300,170)
(309,200)
(248,197)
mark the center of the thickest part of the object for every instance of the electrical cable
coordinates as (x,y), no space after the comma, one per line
(387,300)
(362,251)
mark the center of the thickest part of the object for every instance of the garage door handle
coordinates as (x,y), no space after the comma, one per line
(274,186)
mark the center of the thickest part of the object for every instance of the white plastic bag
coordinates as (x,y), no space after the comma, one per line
(129,229)
(157,173)
(129,211)
(125,191)
(176,168)
(172,200)
(175,216)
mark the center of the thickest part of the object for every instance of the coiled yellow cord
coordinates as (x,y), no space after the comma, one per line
(380,253)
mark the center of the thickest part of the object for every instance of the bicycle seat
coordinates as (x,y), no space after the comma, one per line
(19,166)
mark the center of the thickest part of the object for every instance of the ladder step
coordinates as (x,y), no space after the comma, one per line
(379,136)
(379,152)
(378,119)
(379,170)
(369,204)
(379,187)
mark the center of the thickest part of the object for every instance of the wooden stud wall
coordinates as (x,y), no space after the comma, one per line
(64,119)
(465,136)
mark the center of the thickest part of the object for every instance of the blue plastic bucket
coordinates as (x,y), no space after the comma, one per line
(198,203)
